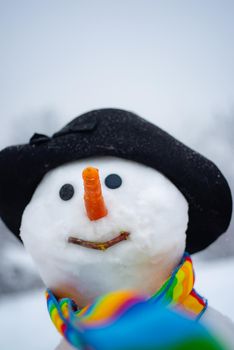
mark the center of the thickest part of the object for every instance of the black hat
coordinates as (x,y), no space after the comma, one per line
(114,132)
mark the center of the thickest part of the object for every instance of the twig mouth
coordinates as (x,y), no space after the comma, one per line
(123,236)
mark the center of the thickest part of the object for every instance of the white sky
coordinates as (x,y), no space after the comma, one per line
(169,61)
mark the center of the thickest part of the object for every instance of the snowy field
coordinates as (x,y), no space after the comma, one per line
(25,323)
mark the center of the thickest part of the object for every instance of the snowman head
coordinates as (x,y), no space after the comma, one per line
(121,226)
(151,190)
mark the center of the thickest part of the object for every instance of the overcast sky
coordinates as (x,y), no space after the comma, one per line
(169,61)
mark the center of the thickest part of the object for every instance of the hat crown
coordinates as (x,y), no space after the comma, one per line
(79,124)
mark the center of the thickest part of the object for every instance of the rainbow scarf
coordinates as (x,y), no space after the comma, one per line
(121,311)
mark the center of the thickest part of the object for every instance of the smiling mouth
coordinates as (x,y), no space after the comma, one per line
(123,236)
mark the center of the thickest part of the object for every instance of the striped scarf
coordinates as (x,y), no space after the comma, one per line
(118,311)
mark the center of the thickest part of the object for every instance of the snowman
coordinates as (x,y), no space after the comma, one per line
(111,202)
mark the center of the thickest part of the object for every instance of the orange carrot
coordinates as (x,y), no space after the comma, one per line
(94,201)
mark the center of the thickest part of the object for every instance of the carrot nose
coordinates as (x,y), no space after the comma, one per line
(93,198)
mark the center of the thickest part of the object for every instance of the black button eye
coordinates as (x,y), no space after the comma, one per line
(113,181)
(66,192)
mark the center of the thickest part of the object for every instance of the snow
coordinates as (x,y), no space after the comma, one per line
(215,281)
(25,322)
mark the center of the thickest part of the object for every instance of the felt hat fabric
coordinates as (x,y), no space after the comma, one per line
(114,132)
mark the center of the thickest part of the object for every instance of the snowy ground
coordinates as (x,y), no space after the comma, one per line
(25,323)
(215,281)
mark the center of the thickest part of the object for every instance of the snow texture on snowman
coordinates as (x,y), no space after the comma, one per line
(111,203)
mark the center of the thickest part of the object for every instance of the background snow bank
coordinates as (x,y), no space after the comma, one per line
(25,322)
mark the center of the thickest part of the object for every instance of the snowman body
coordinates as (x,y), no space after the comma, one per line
(140,201)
